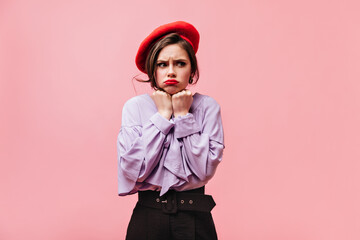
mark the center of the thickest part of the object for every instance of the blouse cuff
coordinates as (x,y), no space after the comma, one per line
(161,123)
(185,126)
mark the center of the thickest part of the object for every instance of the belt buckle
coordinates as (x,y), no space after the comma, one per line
(168,202)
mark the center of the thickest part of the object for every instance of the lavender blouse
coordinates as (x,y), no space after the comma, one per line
(159,154)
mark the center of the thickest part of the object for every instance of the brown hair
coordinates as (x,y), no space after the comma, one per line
(172,38)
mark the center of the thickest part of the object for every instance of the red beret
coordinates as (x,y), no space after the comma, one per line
(187,31)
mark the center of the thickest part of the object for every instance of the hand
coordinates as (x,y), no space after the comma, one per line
(181,102)
(162,101)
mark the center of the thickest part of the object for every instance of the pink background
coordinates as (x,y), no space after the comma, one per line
(286,74)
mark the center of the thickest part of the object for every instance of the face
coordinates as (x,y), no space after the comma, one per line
(173,69)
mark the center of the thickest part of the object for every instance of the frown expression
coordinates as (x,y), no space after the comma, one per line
(173,69)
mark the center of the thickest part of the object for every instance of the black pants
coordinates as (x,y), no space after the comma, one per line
(148,223)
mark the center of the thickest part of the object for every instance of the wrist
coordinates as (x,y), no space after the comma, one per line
(166,114)
(178,114)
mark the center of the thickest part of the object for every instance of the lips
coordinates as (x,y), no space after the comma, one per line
(171,82)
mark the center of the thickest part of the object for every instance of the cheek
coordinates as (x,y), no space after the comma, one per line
(159,73)
(187,74)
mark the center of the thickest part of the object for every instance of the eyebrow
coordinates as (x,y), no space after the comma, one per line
(176,60)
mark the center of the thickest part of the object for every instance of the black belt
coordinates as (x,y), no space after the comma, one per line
(172,201)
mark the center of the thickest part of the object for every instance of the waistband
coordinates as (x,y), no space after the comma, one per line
(173,201)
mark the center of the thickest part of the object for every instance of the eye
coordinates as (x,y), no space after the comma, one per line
(181,64)
(161,64)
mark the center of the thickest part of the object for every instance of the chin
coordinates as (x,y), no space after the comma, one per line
(172,91)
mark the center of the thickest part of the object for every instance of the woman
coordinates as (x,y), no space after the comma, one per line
(171,142)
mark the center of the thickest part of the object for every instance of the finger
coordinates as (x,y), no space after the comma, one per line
(178,94)
(165,94)
(160,93)
(175,95)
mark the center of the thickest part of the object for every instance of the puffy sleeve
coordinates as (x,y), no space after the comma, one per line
(139,146)
(202,141)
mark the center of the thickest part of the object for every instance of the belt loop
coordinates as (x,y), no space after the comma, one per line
(169,202)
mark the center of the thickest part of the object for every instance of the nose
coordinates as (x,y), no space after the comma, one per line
(171,71)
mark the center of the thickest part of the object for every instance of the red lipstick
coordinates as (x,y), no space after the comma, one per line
(171,82)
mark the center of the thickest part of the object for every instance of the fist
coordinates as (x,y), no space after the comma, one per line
(162,101)
(181,102)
